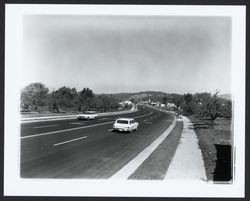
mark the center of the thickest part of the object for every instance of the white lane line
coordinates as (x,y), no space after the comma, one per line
(47,126)
(143,115)
(110,130)
(65,130)
(77,128)
(69,141)
(131,167)
(148,122)
(77,123)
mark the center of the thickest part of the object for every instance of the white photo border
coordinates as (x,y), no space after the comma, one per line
(16,186)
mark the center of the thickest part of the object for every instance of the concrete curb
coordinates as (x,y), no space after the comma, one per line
(187,163)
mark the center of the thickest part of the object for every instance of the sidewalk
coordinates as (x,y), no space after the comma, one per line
(187,163)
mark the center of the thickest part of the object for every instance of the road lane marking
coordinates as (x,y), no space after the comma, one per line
(132,165)
(77,128)
(105,118)
(77,123)
(65,130)
(69,141)
(47,126)
(143,115)
(148,122)
(110,130)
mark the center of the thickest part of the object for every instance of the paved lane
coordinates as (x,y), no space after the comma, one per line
(28,129)
(90,151)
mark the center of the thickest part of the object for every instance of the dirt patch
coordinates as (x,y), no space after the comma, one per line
(215,145)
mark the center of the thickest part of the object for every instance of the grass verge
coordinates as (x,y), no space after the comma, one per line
(215,145)
(156,165)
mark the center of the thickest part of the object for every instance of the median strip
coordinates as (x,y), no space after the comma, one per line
(130,168)
(69,141)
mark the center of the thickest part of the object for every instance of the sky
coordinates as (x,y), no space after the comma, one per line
(113,54)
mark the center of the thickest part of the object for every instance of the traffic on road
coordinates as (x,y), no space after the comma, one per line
(88,149)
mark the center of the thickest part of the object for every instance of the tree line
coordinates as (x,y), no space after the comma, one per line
(205,105)
(36,97)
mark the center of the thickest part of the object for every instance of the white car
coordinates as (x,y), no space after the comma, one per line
(88,115)
(125,124)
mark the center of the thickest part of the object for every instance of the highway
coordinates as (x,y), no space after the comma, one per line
(88,149)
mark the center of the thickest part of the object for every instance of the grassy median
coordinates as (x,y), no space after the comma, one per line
(216,148)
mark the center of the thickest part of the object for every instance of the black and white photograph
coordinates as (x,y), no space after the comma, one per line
(106,100)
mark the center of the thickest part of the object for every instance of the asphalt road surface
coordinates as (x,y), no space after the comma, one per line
(86,149)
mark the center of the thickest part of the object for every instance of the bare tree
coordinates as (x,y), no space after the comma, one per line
(212,108)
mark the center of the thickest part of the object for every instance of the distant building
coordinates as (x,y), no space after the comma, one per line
(171,105)
(126,103)
(155,103)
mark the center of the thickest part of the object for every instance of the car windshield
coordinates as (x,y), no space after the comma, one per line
(122,121)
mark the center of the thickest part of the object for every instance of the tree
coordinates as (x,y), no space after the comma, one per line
(108,102)
(188,98)
(177,99)
(85,97)
(64,97)
(212,108)
(77,102)
(187,104)
(165,99)
(226,108)
(54,102)
(34,95)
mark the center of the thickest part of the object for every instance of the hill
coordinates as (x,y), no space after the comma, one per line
(226,96)
(143,95)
